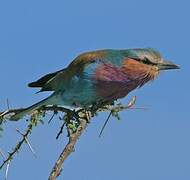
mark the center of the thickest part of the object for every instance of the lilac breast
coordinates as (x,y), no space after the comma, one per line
(112,83)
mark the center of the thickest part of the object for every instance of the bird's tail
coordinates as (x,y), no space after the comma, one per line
(31,109)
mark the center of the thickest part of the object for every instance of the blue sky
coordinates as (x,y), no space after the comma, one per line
(37,37)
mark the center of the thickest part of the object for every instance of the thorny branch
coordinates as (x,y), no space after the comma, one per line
(83,125)
(69,148)
(27,141)
(75,121)
(17,147)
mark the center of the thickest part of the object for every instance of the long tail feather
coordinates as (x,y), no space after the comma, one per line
(29,110)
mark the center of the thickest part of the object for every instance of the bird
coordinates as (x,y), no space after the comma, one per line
(99,76)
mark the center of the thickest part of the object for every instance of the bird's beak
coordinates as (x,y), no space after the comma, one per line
(166,65)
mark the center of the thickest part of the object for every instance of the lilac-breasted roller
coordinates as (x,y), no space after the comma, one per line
(99,76)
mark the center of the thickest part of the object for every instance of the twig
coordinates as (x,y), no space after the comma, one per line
(80,119)
(28,143)
(10,111)
(43,108)
(17,147)
(67,150)
(73,137)
(8,164)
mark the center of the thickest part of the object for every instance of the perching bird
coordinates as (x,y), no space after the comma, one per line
(99,76)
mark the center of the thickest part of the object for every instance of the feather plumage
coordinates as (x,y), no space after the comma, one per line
(104,75)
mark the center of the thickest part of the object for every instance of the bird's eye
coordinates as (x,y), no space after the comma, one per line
(145,60)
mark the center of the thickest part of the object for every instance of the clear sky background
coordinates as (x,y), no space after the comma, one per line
(37,37)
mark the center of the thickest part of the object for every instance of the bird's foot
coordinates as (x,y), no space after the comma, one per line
(84,114)
(73,119)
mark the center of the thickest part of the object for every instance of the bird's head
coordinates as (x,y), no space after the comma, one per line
(146,64)
(152,57)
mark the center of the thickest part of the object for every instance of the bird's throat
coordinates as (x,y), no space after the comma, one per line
(139,73)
